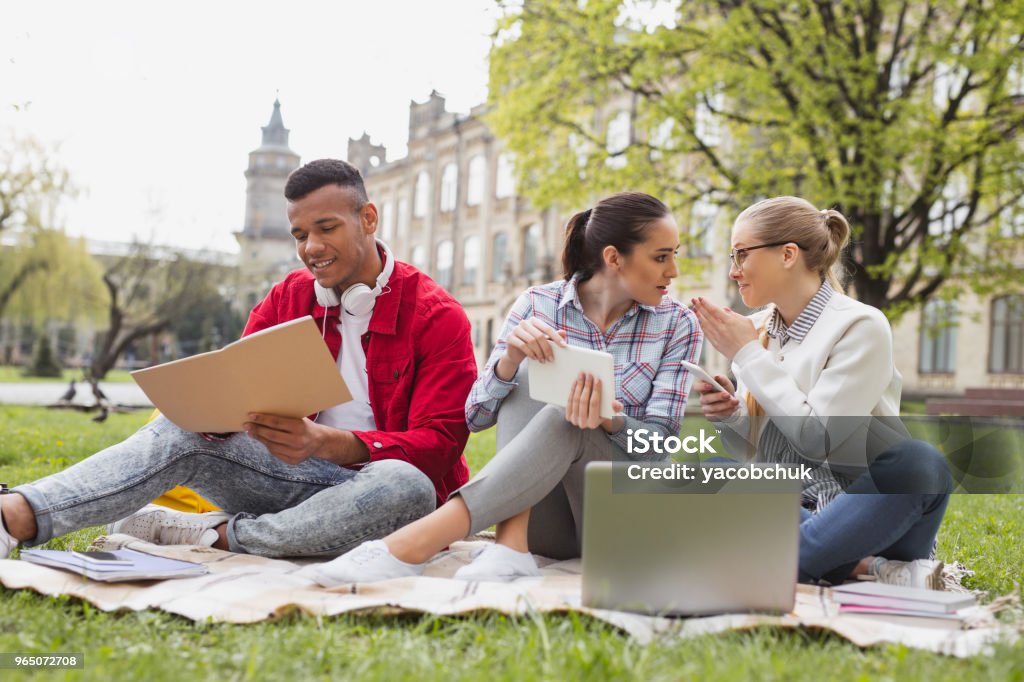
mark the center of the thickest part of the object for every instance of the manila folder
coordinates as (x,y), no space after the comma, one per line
(285,370)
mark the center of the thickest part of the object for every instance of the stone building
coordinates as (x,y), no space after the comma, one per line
(450,207)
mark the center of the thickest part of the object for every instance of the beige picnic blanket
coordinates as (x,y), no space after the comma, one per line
(242,588)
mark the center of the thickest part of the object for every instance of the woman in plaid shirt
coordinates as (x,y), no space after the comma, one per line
(619,260)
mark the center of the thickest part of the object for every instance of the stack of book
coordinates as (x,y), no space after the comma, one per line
(116,566)
(903,605)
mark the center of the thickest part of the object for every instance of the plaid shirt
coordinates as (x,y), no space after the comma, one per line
(647,344)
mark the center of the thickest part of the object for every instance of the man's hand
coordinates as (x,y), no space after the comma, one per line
(293,441)
(290,440)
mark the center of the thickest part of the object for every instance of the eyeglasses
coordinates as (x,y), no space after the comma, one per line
(739,256)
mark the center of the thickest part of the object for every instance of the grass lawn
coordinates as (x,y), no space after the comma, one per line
(12,374)
(986,532)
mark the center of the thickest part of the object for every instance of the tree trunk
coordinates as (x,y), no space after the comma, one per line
(24,273)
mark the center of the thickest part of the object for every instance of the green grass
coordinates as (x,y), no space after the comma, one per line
(14,374)
(984,532)
(913,407)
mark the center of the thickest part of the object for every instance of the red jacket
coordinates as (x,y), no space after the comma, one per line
(419,357)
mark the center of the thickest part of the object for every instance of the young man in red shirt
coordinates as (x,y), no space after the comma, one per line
(300,487)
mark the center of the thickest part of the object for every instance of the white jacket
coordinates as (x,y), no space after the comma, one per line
(843,368)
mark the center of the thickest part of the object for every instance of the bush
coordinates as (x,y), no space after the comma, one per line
(44,364)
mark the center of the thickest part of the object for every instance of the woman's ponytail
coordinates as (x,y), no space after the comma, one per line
(573,254)
(838,231)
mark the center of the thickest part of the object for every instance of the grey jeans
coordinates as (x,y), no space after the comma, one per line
(538,466)
(315,508)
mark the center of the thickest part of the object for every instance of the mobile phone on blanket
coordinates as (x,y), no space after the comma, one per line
(104,558)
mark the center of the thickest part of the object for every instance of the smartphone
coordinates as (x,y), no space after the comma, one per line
(703,374)
(105,558)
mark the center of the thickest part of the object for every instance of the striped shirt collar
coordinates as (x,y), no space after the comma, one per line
(571,296)
(805,320)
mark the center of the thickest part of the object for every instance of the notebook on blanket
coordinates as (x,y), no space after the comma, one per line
(115,566)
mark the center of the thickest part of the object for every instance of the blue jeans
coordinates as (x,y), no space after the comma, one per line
(870,519)
(315,508)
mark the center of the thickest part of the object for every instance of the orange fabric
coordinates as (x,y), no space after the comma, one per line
(182,498)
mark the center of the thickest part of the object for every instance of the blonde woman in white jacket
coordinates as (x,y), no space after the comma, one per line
(816,378)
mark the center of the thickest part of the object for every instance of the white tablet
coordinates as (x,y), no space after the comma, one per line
(550,382)
(701,373)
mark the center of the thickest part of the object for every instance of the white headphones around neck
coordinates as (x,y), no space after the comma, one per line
(358,299)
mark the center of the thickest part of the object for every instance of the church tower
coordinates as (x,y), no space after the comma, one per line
(266,249)
(269,166)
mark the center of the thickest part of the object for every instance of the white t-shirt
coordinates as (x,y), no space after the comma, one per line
(356,414)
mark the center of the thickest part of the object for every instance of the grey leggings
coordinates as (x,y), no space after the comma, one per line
(538,466)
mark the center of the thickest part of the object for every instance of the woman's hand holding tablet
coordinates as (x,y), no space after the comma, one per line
(531,338)
(559,383)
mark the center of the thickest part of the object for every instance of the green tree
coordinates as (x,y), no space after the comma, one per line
(209,323)
(148,291)
(904,115)
(44,274)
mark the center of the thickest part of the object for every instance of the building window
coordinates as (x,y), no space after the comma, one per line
(706,125)
(947,81)
(617,140)
(1015,75)
(505,181)
(387,220)
(661,138)
(950,211)
(499,258)
(445,260)
(580,150)
(403,216)
(702,227)
(419,257)
(421,200)
(531,250)
(899,77)
(1011,220)
(470,259)
(937,351)
(449,187)
(477,180)
(1006,352)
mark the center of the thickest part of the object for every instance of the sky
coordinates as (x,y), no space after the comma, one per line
(153,109)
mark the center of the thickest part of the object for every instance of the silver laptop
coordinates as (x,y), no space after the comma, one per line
(678,553)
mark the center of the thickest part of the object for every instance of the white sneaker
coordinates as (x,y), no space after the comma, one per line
(921,573)
(8,542)
(368,563)
(164,526)
(498,563)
